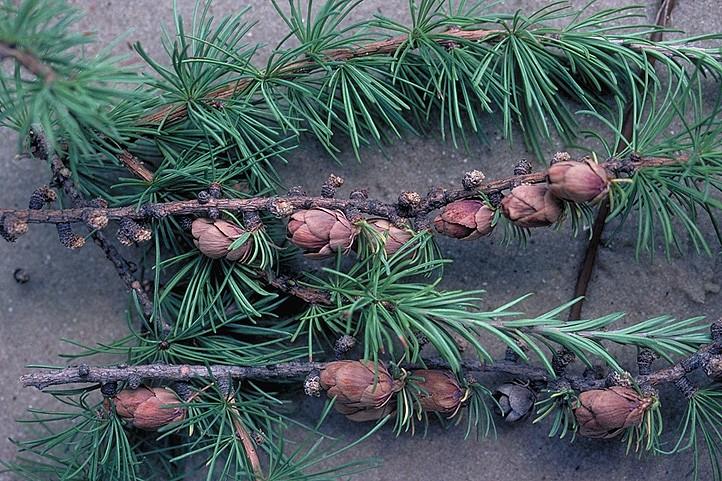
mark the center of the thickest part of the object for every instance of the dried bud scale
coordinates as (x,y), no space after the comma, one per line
(605,413)
(713,369)
(281,208)
(560,157)
(409,200)
(312,384)
(296,191)
(465,219)
(12,227)
(531,205)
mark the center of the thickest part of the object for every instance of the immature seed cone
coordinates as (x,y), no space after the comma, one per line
(605,413)
(515,402)
(321,232)
(362,390)
(394,236)
(465,219)
(584,181)
(147,408)
(442,392)
(531,206)
(214,237)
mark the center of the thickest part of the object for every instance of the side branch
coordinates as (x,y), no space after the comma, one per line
(389,47)
(27,60)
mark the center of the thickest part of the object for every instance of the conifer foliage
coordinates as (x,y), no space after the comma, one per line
(180,165)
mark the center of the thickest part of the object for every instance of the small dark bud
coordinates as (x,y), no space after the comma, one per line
(183,390)
(131,232)
(473,179)
(96,220)
(203,197)
(109,389)
(515,401)
(645,358)
(561,360)
(68,238)
(134,381)
(215,190)
(359,194)
(83,370)
(259,437)
(344,344)
(252,221)
(686,387)
(296,191)
(409,200)
(186,223)
(164,345)
(523,167)
(495,199)
(21,276)
(214,213)
(716,330)
(40,197)
(329,187)
(99,203)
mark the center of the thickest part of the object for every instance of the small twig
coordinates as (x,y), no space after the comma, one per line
(291,287)
(135,166)
(247,442)
(299,370)
(61,177)
(663,18)
(27,60)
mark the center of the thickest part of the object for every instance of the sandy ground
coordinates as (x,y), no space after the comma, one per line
(77,295)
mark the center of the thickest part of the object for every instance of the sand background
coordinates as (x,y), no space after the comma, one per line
(77,295)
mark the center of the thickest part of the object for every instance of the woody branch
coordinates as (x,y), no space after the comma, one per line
(409,206)
(298,370)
